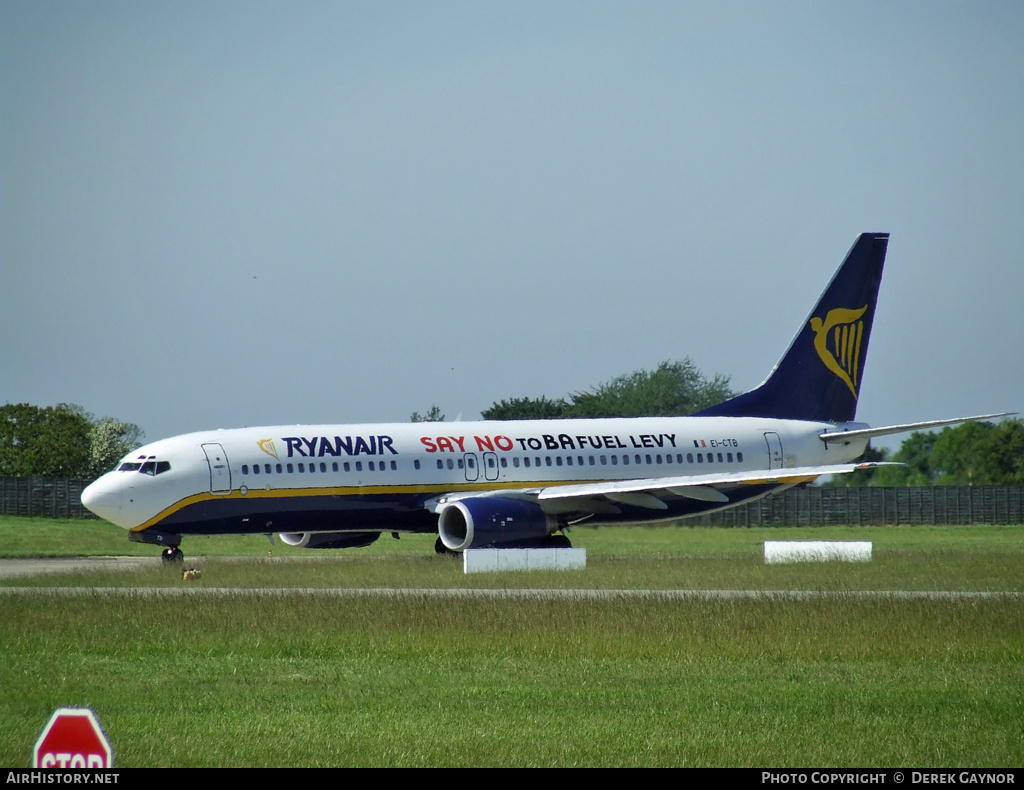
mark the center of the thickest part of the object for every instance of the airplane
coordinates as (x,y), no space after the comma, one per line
(519,483)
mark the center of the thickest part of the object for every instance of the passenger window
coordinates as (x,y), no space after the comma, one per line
(739,457)
(245,469)
(359,466)
(728,457)
(290,469)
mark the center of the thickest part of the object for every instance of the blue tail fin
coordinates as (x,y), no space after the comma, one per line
(819,377)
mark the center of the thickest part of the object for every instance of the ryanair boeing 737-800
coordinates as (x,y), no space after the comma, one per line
(518,483)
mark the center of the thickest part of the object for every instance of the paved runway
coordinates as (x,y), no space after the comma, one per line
(33,566)
(10,568)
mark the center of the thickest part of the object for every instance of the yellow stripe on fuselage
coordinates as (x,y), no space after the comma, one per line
(290,493)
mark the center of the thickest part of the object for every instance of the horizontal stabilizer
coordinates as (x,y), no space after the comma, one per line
(887,430)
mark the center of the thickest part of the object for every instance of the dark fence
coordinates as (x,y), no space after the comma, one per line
(43,496)
(800,507)
(826,506)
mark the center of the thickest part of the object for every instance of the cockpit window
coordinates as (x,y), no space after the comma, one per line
(147,466)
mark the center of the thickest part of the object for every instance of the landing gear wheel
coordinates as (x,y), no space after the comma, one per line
(170,555)
(557,542)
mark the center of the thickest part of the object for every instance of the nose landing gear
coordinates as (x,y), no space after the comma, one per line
(172,554)
(168,540)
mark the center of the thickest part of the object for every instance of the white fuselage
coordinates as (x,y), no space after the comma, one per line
(222,481)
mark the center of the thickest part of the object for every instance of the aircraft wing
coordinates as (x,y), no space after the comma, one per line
(650,492)
(646,492)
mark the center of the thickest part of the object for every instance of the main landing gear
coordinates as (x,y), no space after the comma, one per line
(442,550)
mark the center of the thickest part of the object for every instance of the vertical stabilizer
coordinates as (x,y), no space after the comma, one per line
(819,377)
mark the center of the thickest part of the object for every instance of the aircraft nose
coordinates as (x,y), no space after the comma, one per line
(103,497)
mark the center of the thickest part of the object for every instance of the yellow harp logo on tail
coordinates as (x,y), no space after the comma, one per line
(837,340)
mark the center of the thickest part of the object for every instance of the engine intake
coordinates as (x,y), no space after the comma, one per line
(492,521)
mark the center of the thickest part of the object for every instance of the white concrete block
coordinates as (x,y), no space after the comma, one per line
(490,560)
(817,550)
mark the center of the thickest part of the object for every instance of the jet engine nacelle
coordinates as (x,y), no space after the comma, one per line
(329,540)
(492,521)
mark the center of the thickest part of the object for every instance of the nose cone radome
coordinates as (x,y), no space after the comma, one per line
(103,497)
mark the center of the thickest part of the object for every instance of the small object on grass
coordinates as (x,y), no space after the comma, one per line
(190,574)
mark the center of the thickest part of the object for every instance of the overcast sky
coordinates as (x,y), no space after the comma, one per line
(218,214)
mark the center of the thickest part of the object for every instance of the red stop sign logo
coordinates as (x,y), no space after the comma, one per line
(73,738)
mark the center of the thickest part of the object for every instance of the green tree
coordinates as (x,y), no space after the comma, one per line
(433,415)
(915,455)
(979,453)
(43,442)
(672,389)
(541,408)
(61,441)
(973,453)
(111,440)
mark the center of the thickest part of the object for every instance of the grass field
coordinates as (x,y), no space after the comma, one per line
(310,679)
